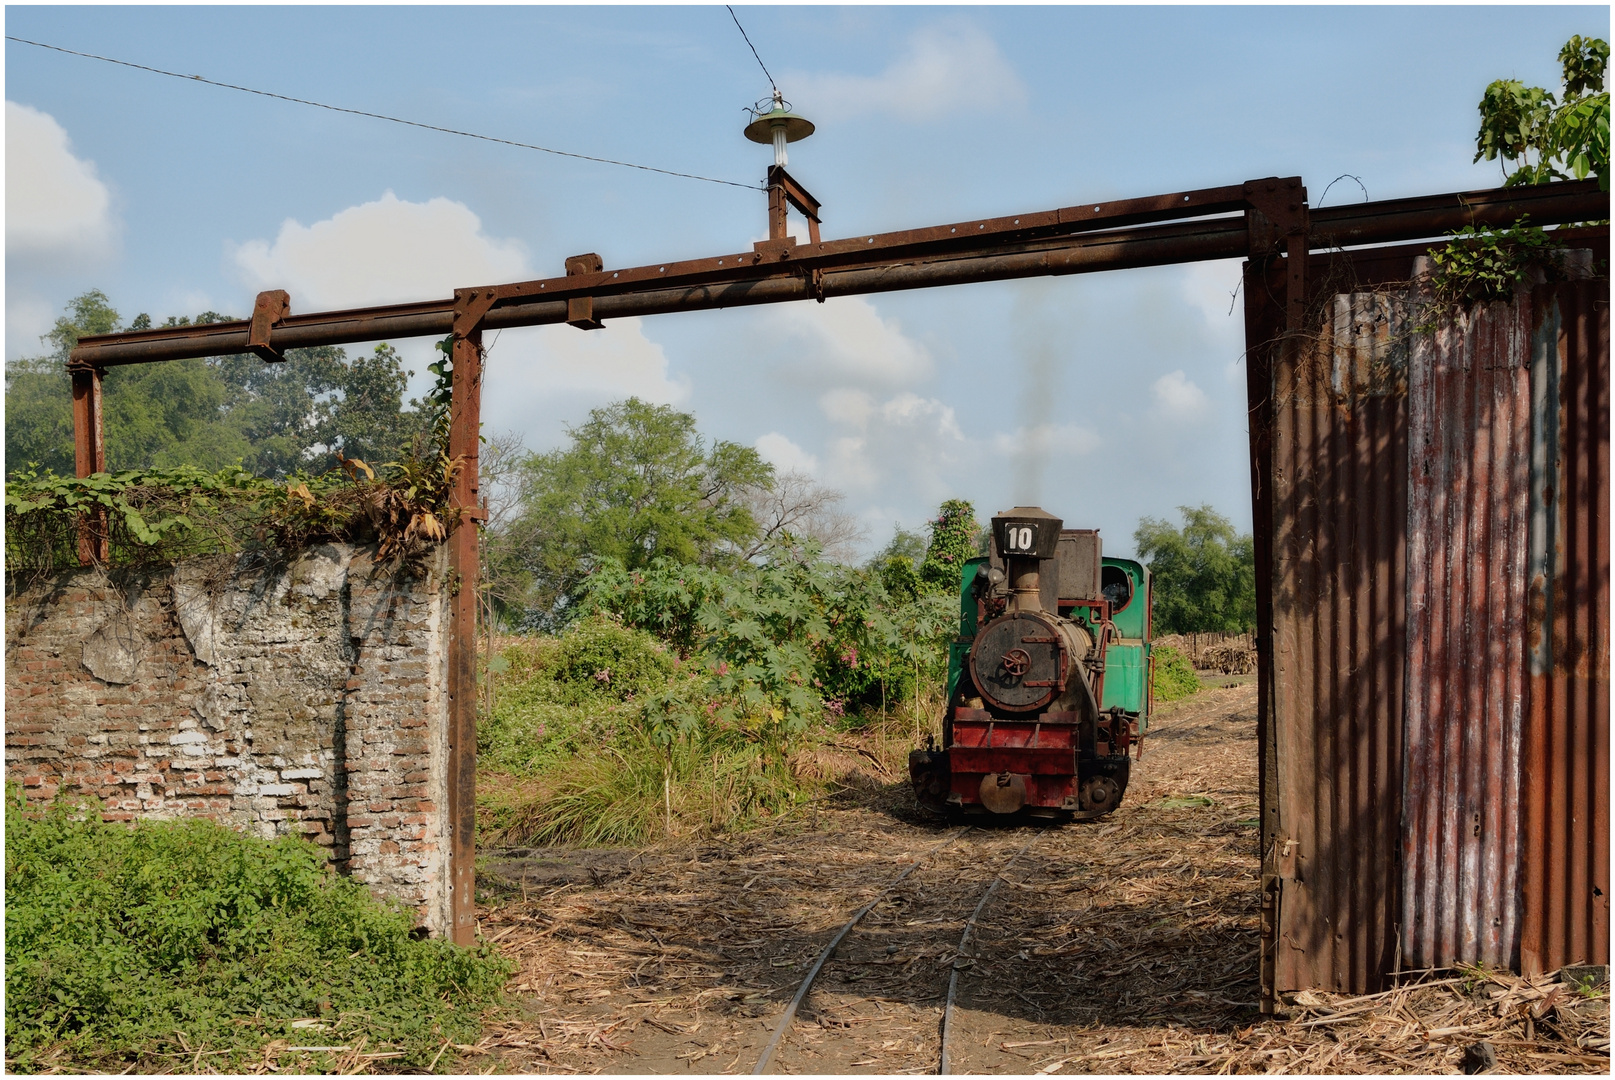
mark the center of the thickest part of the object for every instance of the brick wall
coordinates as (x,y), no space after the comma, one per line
(306,697)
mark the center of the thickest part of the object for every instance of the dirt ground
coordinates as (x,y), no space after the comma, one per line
(1124,945)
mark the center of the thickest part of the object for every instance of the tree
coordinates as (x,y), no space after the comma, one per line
(1203,576)
(636,483)
(273,418)
(898,563)
(796,506)
(953,541)
(1551,138)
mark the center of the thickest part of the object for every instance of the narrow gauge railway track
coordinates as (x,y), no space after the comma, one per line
(784,1024)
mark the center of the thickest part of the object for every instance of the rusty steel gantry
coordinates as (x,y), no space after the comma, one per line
(1264,219)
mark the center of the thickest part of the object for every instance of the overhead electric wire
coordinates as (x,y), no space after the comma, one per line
(383,116)
(747,36)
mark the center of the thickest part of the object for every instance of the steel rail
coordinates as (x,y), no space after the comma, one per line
(944,1066)
(1111,237)
(813,972)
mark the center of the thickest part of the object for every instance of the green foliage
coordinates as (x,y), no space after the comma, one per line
(633,789)
(900,579)
(273,419)
(1174,675)
(1203,576)
(564,696)
(1486,264)
(953,542)
(590,765)
(183,944)
(637,483)
(1549,138)
(683,693)
(779,641)
(154,516)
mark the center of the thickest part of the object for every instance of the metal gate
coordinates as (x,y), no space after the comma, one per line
(1434,685)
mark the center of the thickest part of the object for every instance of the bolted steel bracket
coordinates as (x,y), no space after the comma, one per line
(270,308)
(1277,222)
(580,309)
(470,305)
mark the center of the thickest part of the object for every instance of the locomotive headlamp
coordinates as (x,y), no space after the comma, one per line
(778,126)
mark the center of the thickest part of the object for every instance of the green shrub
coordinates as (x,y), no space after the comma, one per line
(600,659)
(563,696)
(1174,675)
(184,945)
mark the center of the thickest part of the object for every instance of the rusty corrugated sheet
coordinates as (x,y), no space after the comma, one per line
(1339,520)
(1566,819)
(1469,435)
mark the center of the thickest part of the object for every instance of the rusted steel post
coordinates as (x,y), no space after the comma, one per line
(465,414)
(1276,222)
(776,210)
(89,457)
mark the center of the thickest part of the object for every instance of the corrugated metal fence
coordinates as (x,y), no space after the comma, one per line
(1566,834)
(1440,606)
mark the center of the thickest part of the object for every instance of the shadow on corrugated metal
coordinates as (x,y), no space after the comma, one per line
(1339,541)
(1438,510)
(1566,813)
(1469,430)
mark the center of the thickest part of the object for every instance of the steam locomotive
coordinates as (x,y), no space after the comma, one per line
(1050,680)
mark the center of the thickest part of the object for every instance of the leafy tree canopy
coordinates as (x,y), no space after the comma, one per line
(1203,575)
(273,418)
(636,483)
(1551,138)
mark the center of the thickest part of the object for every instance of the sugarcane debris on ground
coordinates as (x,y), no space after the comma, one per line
(1125,945)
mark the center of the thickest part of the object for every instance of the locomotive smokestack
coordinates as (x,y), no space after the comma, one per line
(1023,537)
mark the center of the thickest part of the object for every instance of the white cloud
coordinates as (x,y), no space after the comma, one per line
(785,455)
(948,67)
(852,408)
(55,203)
(905,443)
(381,252)
(846,340)
(392,250)
(541,376)
(28,318)
(1177,397)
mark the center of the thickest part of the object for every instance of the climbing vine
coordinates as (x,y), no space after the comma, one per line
(151,517)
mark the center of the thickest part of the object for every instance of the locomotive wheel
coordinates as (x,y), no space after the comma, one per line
(1101,794)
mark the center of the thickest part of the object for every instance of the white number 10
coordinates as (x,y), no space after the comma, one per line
(1020,539)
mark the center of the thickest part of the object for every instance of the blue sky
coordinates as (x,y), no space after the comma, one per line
(1102,397)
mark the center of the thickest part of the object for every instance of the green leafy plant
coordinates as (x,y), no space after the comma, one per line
(954,534)
(1480,265)
(184,946)
(1203,575)
(1175,677)
(1545,138)
(154,516)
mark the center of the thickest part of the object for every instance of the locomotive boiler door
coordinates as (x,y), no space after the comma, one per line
(1018,662)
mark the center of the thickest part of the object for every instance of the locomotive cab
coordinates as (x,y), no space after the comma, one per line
(1048,679)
